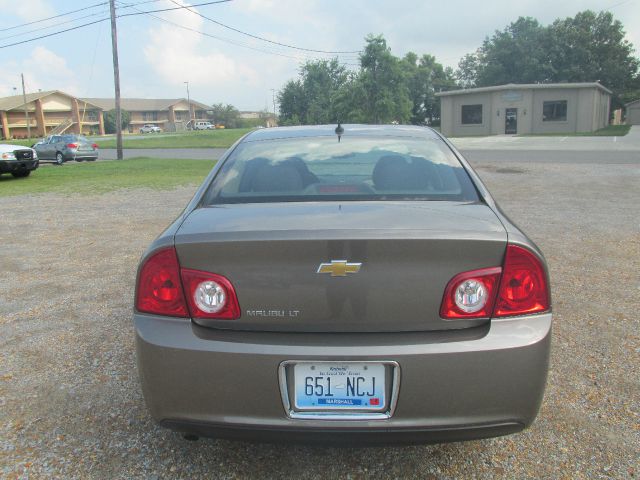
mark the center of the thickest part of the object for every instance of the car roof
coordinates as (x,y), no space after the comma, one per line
(409,131)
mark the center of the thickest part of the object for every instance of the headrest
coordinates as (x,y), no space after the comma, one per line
(393,172)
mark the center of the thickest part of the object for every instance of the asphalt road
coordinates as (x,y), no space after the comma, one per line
(195,153)
(619,157)
(554,157)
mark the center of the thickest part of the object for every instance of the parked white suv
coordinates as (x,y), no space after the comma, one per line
(18,161)
(201,125)
(149,128)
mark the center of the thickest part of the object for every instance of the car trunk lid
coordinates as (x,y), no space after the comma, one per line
(341,267)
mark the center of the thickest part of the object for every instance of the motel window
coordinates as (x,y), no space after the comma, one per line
(150,116)
(91,116)
(554,111)
(471,114)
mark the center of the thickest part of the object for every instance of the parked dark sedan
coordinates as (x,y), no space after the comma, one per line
(343,284)
(62,148)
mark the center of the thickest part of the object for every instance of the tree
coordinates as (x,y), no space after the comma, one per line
(467,73)
(517,54)
(424,77)
(321,81)
(386,94)
(385,89)
(592,47)
(110,120)
(227,115)
(310,100)
(292,101)
(586,48)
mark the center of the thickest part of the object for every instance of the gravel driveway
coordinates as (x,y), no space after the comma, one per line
(70,403)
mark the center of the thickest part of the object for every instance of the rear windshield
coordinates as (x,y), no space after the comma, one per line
(356,168)
(74,138)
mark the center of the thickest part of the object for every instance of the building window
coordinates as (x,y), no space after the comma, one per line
(554,111)
(91,116)
(471,114)
(181,115)
(149,116)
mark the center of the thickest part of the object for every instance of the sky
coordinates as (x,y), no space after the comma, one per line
(159,53)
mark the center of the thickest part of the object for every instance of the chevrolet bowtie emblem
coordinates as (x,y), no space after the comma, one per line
(339,268)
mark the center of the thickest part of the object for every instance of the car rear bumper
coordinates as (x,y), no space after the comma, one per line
(481,383)
(9,166)
(80,155)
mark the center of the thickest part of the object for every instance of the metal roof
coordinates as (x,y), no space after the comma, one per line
(627,105)
(16,101)
(349,130)
(524,86)
(142,104)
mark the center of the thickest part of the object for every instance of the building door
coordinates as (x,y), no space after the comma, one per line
(511,120)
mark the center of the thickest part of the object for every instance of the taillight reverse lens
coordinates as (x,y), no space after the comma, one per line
(210,295)
(159,287)
(523,287)
(471,294)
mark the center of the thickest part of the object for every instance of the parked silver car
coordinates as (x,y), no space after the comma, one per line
(62,148)
(350,284)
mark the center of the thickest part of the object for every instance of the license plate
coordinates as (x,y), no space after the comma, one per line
(339,386)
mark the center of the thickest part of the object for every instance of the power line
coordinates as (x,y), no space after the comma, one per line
(223,39)
(261,38)
(150,13)
(102,20)
(239,44)
(55,16)
(54,33)
(181,7)
(52,26)
(84,17)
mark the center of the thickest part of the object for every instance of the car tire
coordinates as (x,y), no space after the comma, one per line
(59,159)
(79,159)
(91,159)
(21,173)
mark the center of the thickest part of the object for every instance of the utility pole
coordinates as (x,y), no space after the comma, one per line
(26,110)
(116,78)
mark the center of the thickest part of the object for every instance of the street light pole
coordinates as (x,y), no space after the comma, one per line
(26,110)
(273,96)
(188,101)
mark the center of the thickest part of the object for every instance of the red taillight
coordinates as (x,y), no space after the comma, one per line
(523,287)
(482,284)
(95,146)
(518,288)
(72,145)
(210,295)
(166,289)
(159,286)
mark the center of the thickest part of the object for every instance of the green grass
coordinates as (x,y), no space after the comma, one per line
(24,142)
(222,138)
(100,177)
(608,131)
